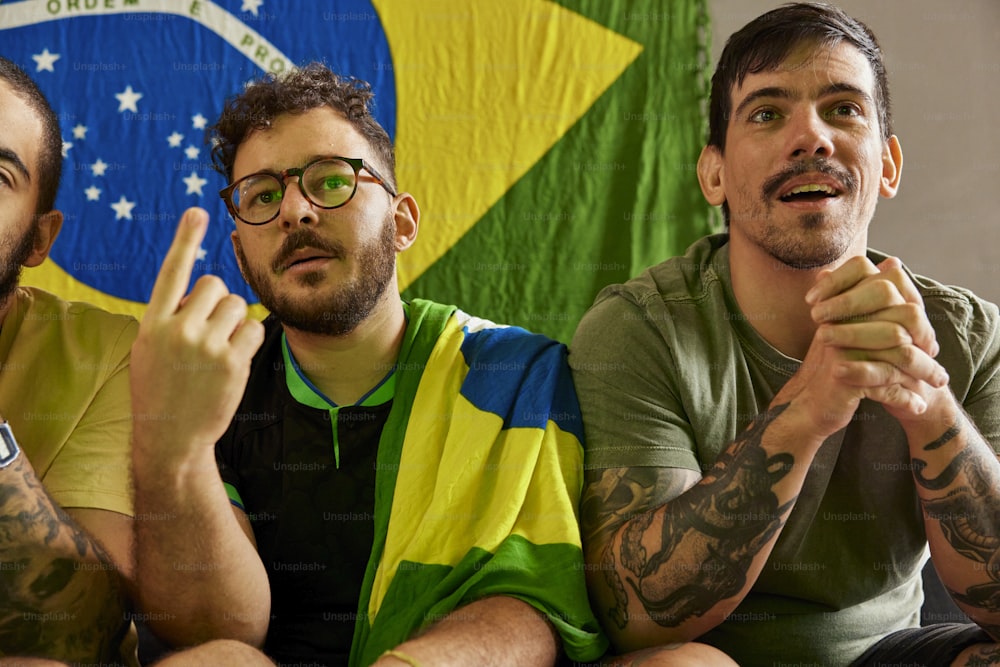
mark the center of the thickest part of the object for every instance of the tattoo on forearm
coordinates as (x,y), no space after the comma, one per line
(953,469)
(984,657)
(59,595)
(945,438)
(967,516)
(706,541)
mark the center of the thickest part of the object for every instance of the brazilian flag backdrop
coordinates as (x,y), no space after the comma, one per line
(550,145)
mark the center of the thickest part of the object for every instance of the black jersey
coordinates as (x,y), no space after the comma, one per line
(313,521)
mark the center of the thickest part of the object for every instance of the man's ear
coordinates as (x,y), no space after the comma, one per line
(47,228)
(892,167)
(711,175)
(407,218)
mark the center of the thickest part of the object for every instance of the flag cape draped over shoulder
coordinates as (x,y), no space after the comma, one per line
(477,483)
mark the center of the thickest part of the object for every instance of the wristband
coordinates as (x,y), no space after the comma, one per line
(399,655)
(8,446)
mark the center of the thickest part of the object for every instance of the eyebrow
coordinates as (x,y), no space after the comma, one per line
(786,94)
(7,155)
(309,160)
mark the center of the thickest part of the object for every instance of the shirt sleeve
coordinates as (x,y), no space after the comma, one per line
(982,403)
(623,371)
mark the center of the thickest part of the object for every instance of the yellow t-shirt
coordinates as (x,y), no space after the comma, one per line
(64,388)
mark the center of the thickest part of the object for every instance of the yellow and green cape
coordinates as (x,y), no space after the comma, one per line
(477,484)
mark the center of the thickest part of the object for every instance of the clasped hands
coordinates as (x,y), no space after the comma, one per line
(873,340)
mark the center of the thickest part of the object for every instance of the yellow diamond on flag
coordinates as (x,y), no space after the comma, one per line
(483,90)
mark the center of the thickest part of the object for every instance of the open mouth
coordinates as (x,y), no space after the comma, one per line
(812,192)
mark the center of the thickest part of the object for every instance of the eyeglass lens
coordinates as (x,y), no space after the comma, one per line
(327,183)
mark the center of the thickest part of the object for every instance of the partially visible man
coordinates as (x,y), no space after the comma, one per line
(65,498)
(387,482)
(781,421)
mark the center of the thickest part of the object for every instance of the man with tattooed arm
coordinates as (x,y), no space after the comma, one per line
(783,425)
(65,501)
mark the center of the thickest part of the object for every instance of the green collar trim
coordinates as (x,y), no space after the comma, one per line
(306,393)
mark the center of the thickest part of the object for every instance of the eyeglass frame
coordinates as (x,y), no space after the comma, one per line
(356,163)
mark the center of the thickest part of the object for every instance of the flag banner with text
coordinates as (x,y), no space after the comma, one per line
(550,146)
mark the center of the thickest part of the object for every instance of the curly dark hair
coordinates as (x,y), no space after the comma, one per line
(298,90)
(764,43)
(50,155)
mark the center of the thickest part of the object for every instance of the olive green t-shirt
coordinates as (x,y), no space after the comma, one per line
(64,388)
(669,371)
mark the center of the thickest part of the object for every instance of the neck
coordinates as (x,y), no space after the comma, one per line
(346,367)
(772,295)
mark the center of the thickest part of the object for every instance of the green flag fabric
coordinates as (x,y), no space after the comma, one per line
(551,146)
(616,192)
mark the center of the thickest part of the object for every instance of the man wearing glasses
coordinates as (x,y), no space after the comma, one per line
(384,482)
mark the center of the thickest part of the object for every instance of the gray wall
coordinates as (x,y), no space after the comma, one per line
(944,75)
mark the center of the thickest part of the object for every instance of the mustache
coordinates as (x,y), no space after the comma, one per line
(772,185)
(305,238)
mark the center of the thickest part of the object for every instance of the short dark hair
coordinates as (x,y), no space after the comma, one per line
(296,91)
(50,156)
(764,43)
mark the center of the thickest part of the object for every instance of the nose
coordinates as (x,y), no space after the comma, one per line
(295,208)
(810,136)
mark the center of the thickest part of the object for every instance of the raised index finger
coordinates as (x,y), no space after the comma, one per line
(175,272)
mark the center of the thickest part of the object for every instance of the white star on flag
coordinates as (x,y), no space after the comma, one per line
(99,167)
(192,153)
(202,253)
(175,139)
(65,147)
(45,61)
(80,132)
(251,6)
(199,122)
(127,100)
(123,208)
(194,182)
(93,193)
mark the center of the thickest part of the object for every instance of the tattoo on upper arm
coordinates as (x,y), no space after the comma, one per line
(614,497)
(706,541)
(59,596)
(968,527)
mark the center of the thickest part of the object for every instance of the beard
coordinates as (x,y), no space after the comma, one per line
(806,253)
(812,246)
(335,313)
(14,253)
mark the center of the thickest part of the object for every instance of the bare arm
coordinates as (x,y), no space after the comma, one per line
(199,575)
(60,594)
(676,571)
(957,476)
(492,632)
